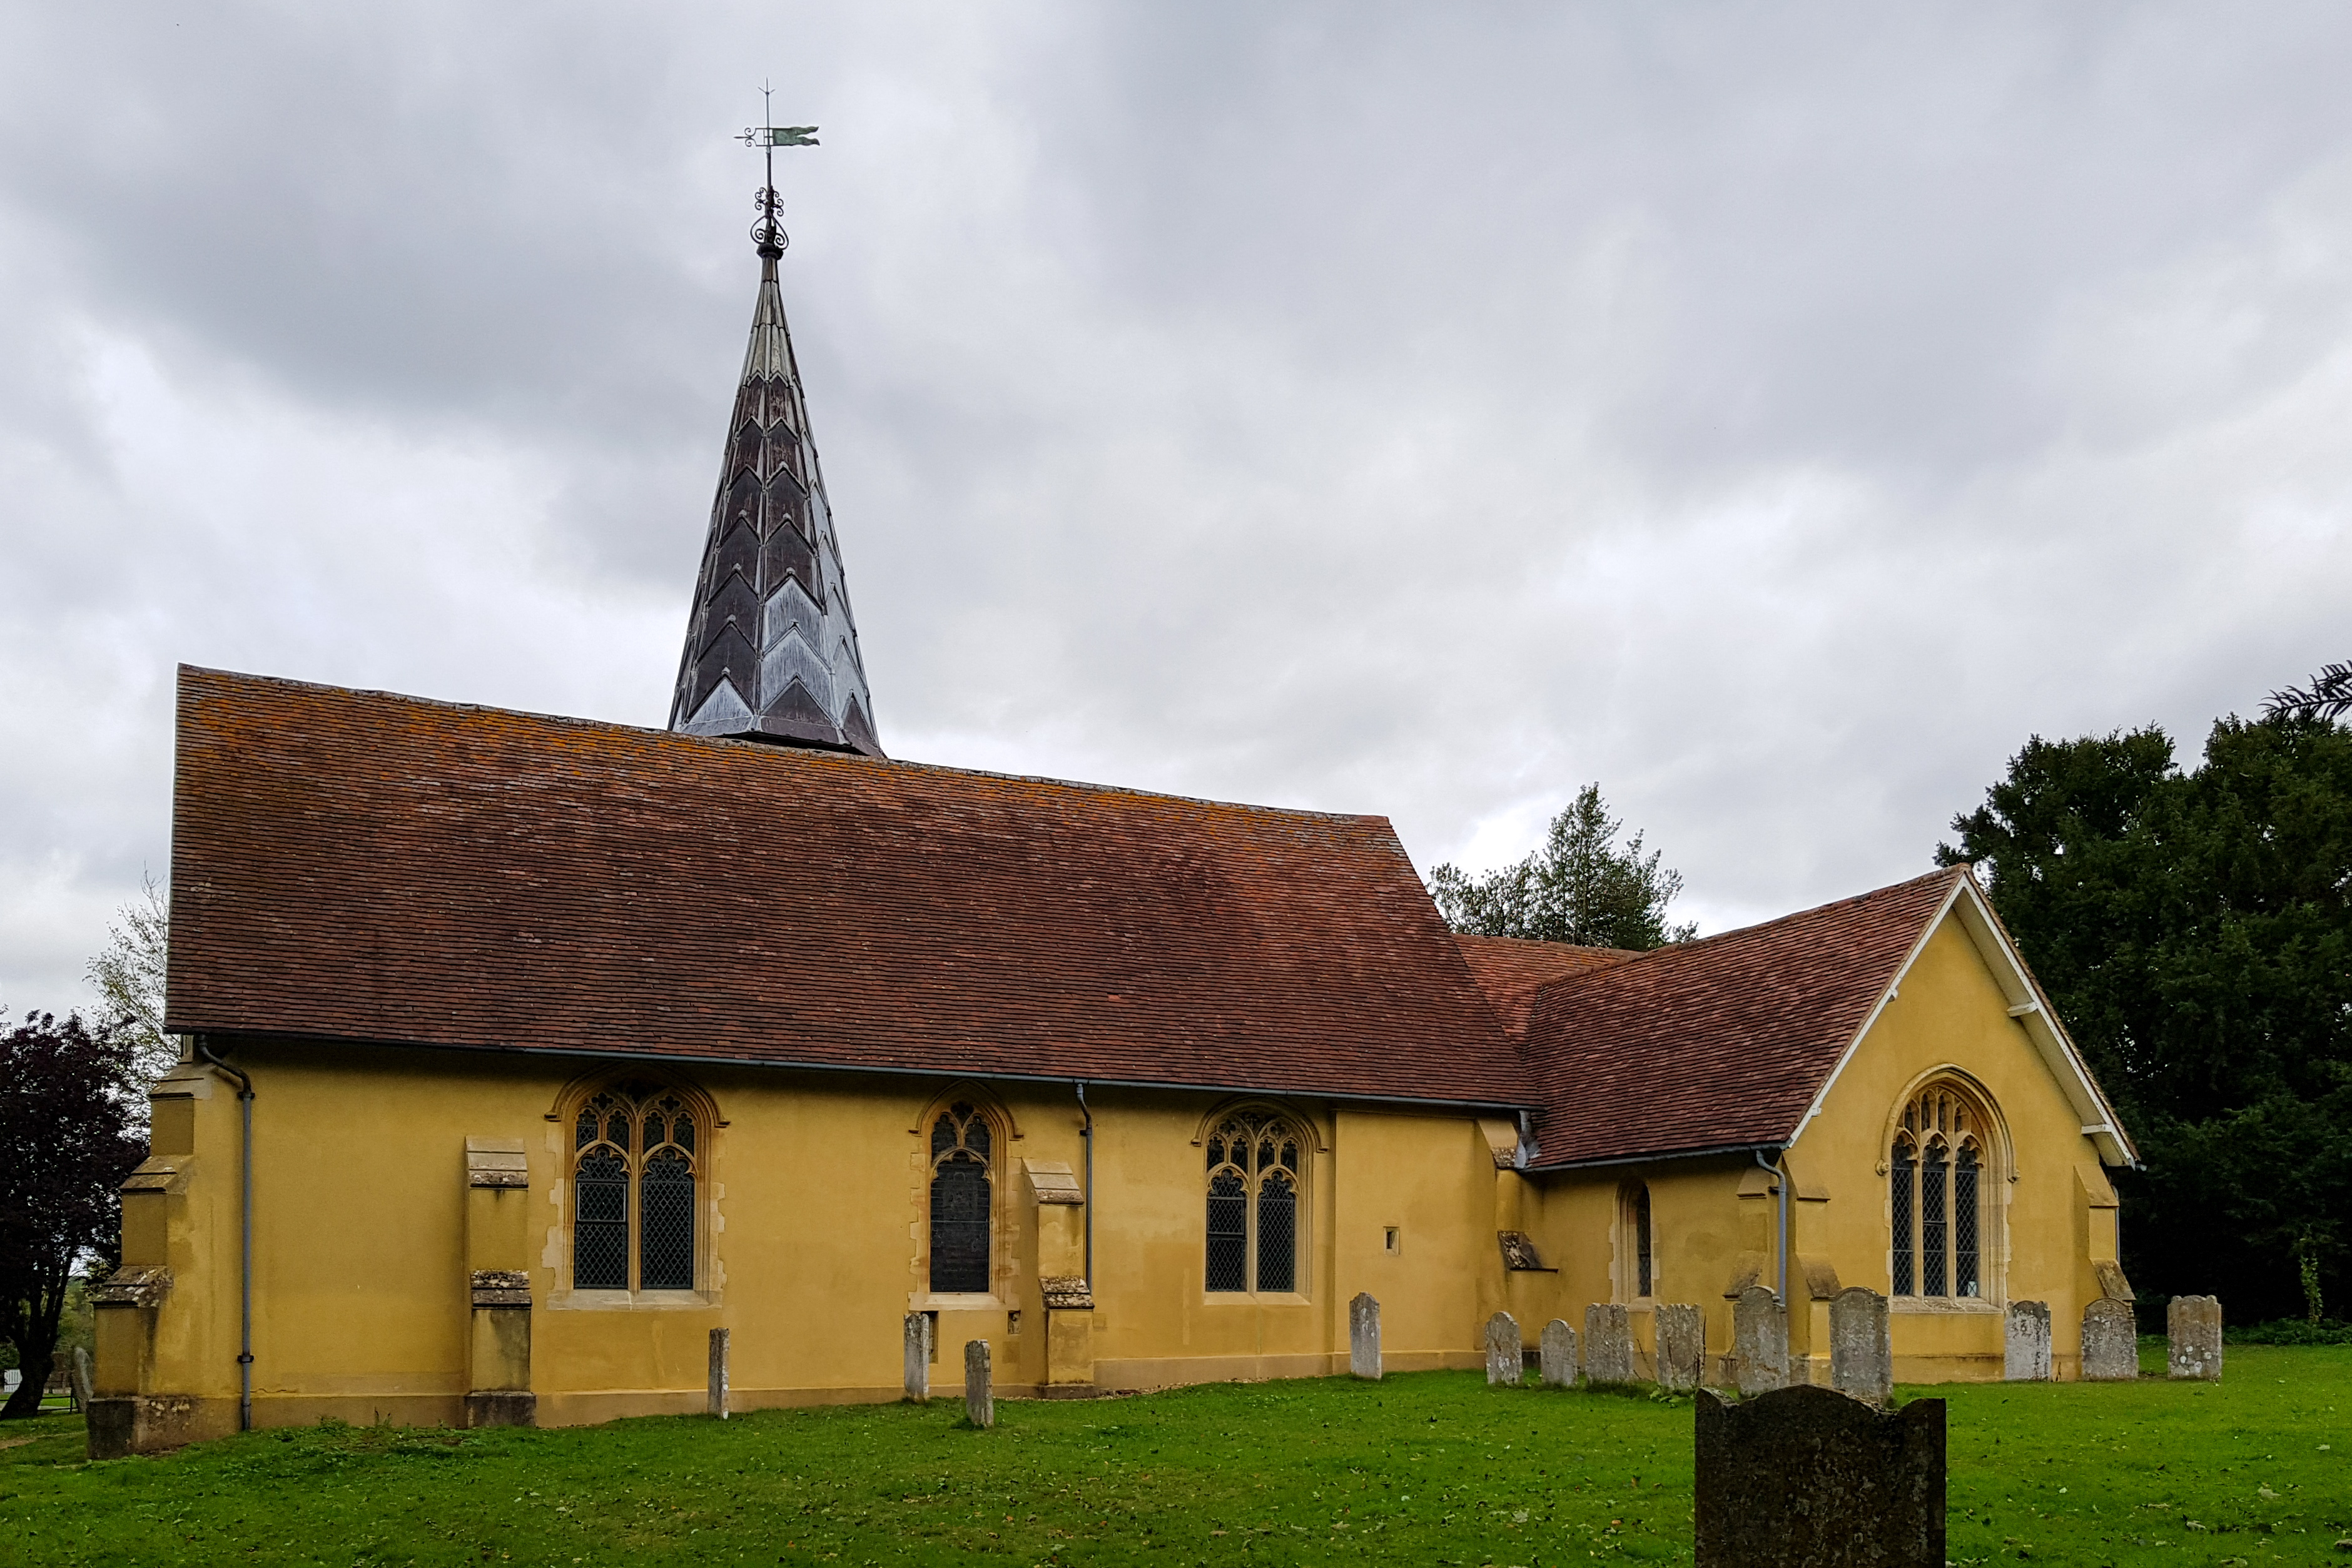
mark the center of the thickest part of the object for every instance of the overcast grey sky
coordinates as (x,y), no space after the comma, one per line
(1774,412)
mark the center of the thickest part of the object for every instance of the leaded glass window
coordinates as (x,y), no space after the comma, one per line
(1937,1206)
(1637,1222)
(961,1200)
(632,1190)
(1253,1204)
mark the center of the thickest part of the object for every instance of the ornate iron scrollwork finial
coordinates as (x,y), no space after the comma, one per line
(768,233)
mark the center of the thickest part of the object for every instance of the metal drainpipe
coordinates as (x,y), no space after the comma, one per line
(1777,1166)
(1087,1132)
(244,1261)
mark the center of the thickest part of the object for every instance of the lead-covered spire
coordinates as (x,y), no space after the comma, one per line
(772,647)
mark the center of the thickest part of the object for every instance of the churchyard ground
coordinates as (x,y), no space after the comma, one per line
(1426,1468)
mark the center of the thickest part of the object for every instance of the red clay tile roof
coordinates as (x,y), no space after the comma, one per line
(1510,971)
(355,866)
(1720,1043)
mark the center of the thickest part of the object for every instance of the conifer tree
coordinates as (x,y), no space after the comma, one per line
(1581,887)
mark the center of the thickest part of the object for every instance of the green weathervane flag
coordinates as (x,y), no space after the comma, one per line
(781,136)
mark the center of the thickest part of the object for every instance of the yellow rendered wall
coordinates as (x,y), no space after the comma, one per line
(814,1222)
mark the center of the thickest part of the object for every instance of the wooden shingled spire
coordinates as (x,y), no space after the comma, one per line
(772,647)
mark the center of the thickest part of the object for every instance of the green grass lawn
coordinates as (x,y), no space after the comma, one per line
(1431,1467)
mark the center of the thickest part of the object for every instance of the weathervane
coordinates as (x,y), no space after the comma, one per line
(770,230)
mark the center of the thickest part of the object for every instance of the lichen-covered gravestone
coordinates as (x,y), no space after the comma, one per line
(1505,1355)
(2025,1350)
(1557,1357)
(2110,1341)
(1810,1475)
(2196,1325)
(1862,1346)
(1760,1341)
(1364,1336)
(1608,1343)
(717,1399)
(1682,1345)
(979,1385)
(919,1356)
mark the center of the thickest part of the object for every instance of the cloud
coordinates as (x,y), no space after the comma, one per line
(1774,414)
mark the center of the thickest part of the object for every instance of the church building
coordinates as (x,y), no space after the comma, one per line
(524,1052)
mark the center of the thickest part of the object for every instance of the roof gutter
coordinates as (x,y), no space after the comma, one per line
(1716,1151)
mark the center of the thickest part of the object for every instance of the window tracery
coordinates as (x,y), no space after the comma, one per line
(633,1180)
(962,1186)
(1253,1204)
(1935,1199)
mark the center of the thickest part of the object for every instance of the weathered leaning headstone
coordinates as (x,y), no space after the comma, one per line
(1682,1345)
(1364,1336)
(1862,1346)
(1505,1357)
(83,1378)
(1808,1475)
(2196,1325)
(2025,1351)
(717,1404)
(2110,1341)
(1556,1354)
(1608,1343)
(1760,1341)
(979,1389)
(918,1357)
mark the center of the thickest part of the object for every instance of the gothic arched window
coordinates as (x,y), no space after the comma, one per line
(1937,1206)
(1640,1248)
(961,1184)
(1253,1233)
(634,1170)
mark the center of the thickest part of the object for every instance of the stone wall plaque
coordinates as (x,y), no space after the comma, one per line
(1556,1355)
(2110,1342)
(979,1385)
(1810,1475)
(1608,1343)
(2025,1343)
(1682,1345)
(1364,1336)
(1519,1255)
(1760,1341)
(2196,1325)
(1862,1346)
(1506,1356)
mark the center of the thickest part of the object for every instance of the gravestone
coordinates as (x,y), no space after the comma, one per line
(1760,1341)
(1505,1357)
(1364,1336)
(1682,1345)
(717,1397)
(979,1388)
(1862,1346)
(82,1379)
(918,1357)
(1557,1355)
(1608,1343)
(2110,1341)
(2196,1325)
(2025,1349)
(1810,1475)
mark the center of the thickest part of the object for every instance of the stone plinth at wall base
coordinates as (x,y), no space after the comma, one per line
(502,1407)
(124,1425)
(1064,1391)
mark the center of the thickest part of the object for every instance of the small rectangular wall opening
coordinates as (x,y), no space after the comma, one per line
(1391,1242)
(1013,1325)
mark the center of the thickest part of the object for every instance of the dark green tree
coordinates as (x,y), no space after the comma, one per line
(2195,929)
(1581,887)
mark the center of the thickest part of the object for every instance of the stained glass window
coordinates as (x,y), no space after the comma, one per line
(635,1141)
(961,1201)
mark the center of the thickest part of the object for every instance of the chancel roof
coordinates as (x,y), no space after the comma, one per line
(1511,971)
(360,866)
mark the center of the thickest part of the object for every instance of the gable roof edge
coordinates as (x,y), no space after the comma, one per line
(1886,994)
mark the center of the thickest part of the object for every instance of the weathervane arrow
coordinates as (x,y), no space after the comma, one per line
(779,136)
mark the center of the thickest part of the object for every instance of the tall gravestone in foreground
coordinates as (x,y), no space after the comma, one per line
(1760,1341)
(1364,1336)
(918,1353)
(1862,1346)
(1682,1345)
(2196,1325)
(979,1385)
(1506,1356)
(1608,1343)
(1810,1476)
(717,1397)
(2025,1348)
(2110,1341)
(1556,1354)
